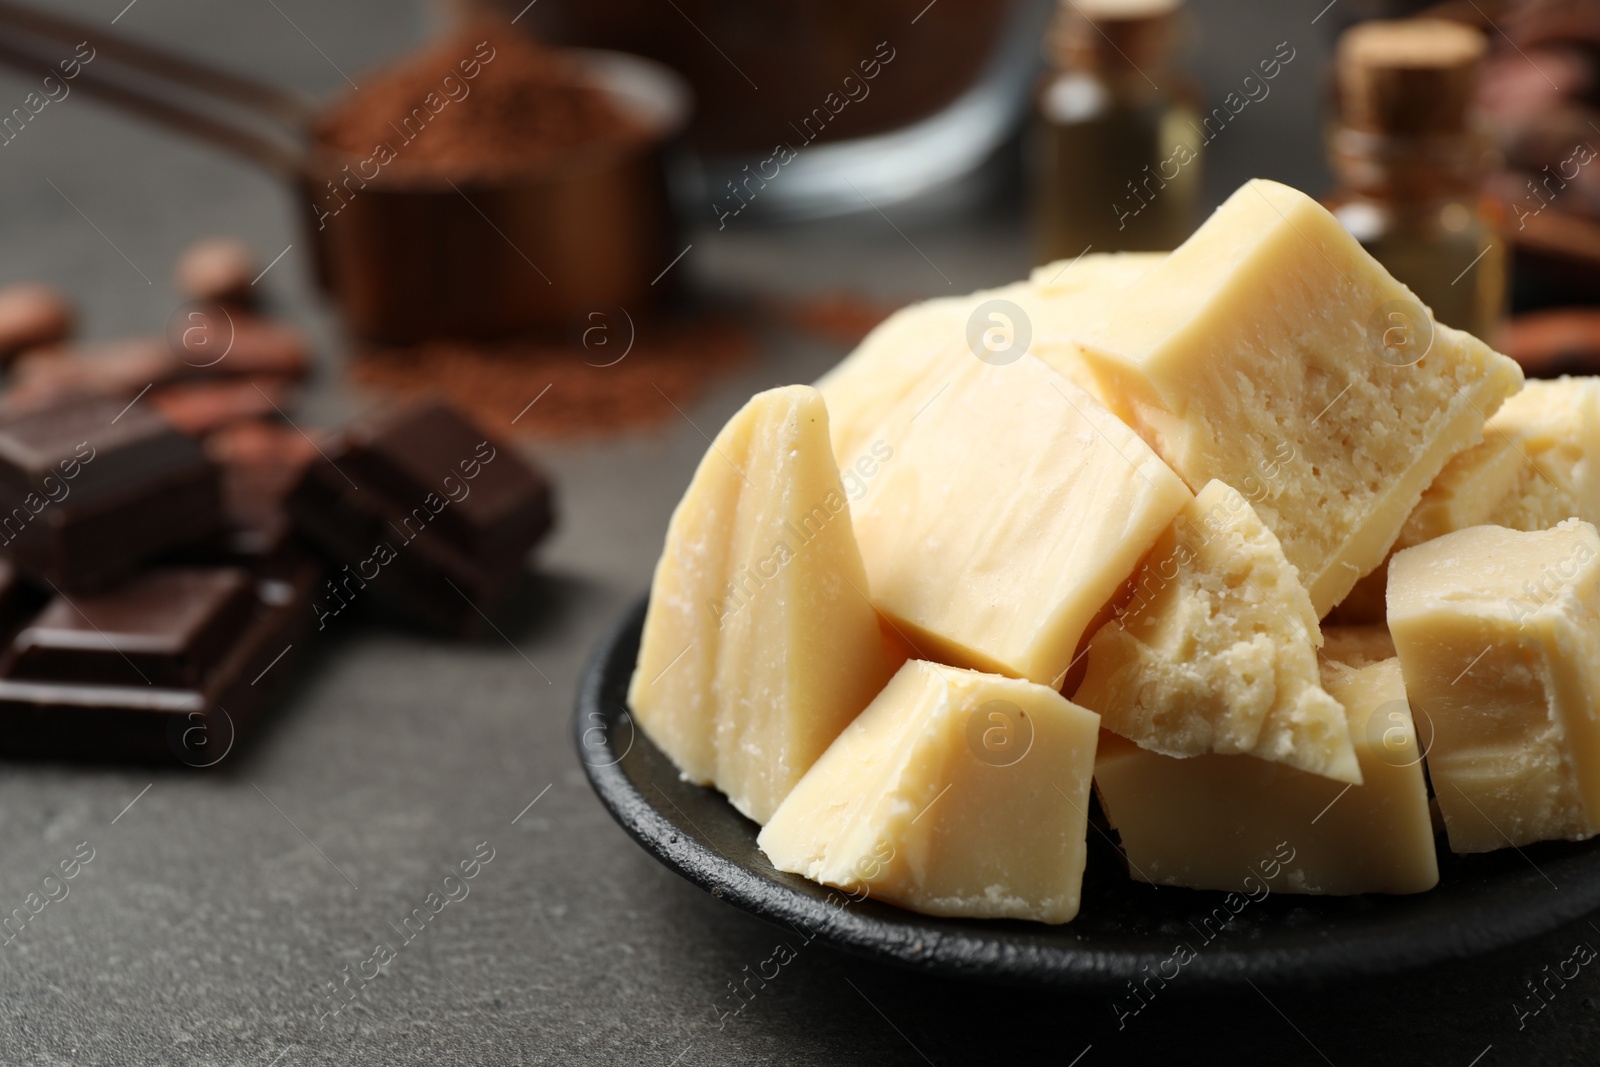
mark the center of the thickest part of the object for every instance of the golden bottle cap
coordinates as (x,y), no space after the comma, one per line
(1409,76)
(1111,36)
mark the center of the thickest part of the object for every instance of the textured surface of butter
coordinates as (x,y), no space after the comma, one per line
(1272,352)
(1217,822)
(1538,463)
(954,793)
(1217,649)
(1013,508)
(895,365)
(1499,635)
(760,643)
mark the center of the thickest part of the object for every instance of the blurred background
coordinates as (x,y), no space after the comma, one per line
(596,239)
(987,144)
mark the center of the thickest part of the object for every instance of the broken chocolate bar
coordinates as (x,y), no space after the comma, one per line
(179,623)
(19,601)
(426,516)
(91,489)
(261,463)
(173,664)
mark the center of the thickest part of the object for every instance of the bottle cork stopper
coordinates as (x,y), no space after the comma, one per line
(1109,35)
(1409,76)
(1122,10)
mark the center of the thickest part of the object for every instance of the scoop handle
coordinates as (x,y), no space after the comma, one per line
(187,96)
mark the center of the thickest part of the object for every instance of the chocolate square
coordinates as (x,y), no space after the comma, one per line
(174,665)
(89,490)
(168,627)
(439,471)
(425,515)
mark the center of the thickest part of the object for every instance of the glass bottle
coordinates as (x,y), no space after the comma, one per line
(1410,163)
(1115,138)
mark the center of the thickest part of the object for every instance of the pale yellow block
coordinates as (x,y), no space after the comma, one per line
(891,368)
(1539,463)
(1013,508)
(1093,274)
(1499,634)
(760,644)
(954,793)
(1241,823)
(1255,353)
(897,364)
(1217,649)
(1469,489)
(1064,298)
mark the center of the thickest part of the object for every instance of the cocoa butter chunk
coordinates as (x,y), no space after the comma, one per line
(897,363)
(1538,463)
(1216,649)
(954,793)
(1005,514)
(760,643)
(1499,635)
(1252,826)
(1272,352)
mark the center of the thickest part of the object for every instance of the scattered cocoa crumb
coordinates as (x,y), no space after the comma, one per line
(32,316)
(113,368)
(198,408)
(670,363)
(483,102)
(218,269)
(838,317)
(251,348)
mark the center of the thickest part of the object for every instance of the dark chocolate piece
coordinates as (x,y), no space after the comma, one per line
(19,601)
(90,489)
(261,463)
(425,515)
(168,627)
(424,455)
(175,664)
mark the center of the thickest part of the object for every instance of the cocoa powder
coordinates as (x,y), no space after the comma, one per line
(484,102)
(668,367)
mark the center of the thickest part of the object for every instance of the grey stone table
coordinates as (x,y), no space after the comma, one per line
(218,906)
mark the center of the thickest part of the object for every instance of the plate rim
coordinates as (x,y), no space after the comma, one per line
(957,947)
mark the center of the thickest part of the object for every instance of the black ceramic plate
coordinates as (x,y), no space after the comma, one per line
(1481,903)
